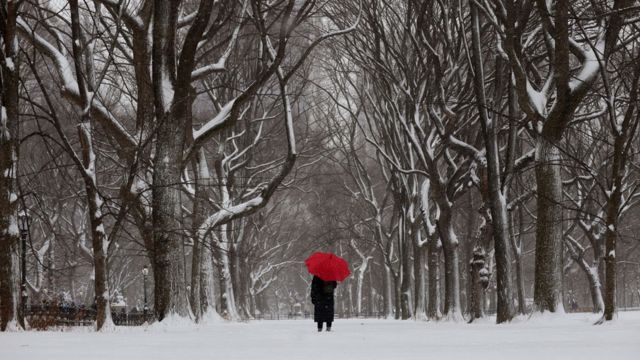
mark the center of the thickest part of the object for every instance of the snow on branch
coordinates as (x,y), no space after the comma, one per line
(424,208)
(132,20)
(70,85)
(215,123)
(590,64)
(221,64)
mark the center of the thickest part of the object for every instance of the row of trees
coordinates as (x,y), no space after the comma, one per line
(168,122)
(464,156)
(443,111)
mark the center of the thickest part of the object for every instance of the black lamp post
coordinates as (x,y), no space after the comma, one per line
(145,309)
(23,225)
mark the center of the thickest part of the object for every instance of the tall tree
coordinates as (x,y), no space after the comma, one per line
(9,140)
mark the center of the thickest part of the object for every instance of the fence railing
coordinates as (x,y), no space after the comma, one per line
(47,316)
(43,317)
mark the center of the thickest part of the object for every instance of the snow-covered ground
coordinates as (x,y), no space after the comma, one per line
(565,337)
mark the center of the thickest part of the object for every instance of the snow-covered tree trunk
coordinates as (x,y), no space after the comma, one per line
(452,309)
(9,115)
(420,283)
(433,280)
(360,272)
(227,281)
(404,240)
(479,281)
(595,289)
(496,190)
(173,98)
(550,105)
(201,296)
(611,234)
(99,241)
(239,268)
(388,297)
(516,247)
(624,130)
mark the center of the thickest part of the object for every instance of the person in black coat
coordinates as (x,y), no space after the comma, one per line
(322,299)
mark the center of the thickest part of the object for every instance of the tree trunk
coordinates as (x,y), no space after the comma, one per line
(388,291)
(516,247)
(611,235)
(171,295)
(100,243)
(397,295)
(497,202)
(169,272)
(548,230)
(595,288)
(9,116)
(359,282)
(479,281)
(197,216)
(405,273)
(202,277)
(227,280)
(420,291)
(452,309)
(433,258)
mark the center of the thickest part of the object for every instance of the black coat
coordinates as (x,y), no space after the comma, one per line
(322,299)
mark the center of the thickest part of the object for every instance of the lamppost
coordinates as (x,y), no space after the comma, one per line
(23,225)
(145,272)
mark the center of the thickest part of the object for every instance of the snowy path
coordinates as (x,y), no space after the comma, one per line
(568,337)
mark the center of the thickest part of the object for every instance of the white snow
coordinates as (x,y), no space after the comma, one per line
(571,336)
(217,67)
(167,91)
(3,116)
(9,63)
(537,99)
(13,227)
(590,65)
(217,120)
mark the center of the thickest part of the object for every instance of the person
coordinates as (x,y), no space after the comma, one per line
(322,300)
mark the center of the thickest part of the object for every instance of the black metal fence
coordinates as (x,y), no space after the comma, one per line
(43,317)
(47,316)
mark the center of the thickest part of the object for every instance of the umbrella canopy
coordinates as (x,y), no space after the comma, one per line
(327,266)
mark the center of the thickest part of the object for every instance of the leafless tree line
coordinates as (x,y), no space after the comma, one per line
(463,156)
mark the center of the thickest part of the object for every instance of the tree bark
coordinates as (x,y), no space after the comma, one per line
(169,273)
(9,117)
(420,292)
(452,310)
(548,230)
(433,258)
(388,290)
(611,223)
(405,273)
(497,201)
(100,244)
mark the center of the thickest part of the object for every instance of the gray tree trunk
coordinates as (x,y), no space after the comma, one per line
(433,258)
(420,291)
(547,287)
(9,116)
(452,310)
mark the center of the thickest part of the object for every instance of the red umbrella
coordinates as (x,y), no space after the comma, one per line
(327,266)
